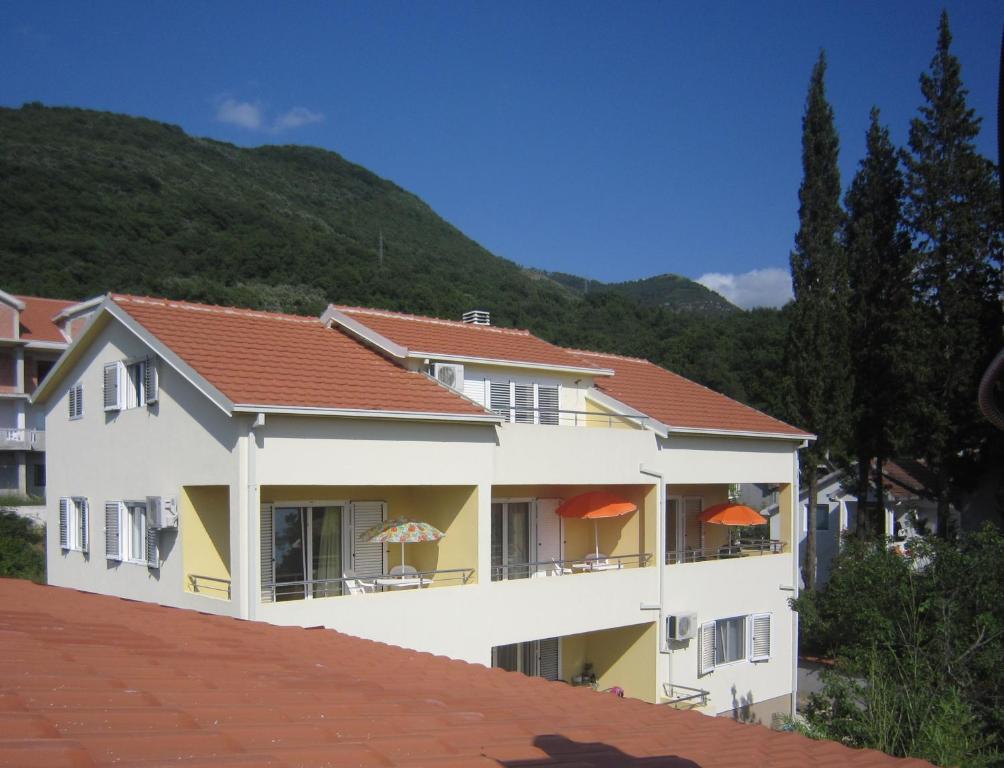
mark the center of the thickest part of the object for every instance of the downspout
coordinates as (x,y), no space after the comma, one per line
(660,558)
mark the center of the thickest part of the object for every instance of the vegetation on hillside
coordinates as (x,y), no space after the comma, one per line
(22,553)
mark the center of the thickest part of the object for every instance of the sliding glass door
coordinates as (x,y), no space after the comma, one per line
(308,551)
(510,540)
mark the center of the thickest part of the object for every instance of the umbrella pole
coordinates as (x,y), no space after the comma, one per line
(402,555)
(596,537)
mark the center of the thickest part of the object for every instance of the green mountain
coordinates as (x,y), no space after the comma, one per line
(92,202)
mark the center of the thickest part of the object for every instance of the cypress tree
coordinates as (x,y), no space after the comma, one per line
(816,349)
(954,218)
(879,266)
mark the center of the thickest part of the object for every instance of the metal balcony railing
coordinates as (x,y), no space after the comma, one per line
(726,551)
(282,591)
(684,696)
(20,439)
(566,418)
(212,584)
(542,568)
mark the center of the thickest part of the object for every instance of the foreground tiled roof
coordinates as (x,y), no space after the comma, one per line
(87,680)
(679,402)
(36,319)
(444,337)
(265,358)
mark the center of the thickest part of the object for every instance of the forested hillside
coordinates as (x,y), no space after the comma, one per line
(93,201)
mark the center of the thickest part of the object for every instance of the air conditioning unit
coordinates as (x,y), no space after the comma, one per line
(162,512)
(681,626)
(450,374)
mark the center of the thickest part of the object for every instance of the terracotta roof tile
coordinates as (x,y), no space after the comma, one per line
(265,358)
(446,337)
(679,402)
(252,695)
(36,319)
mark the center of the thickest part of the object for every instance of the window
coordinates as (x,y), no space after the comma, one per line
(734,639)
(130,385)
(39,478)
(77,401)
(74,527)
(130,535)
(537,658)
(822,517)
(525,403)
(510,540)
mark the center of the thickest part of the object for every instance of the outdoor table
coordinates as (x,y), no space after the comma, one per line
(402,582)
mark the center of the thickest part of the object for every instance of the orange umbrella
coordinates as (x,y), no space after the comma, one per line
(594,505)
(731,513)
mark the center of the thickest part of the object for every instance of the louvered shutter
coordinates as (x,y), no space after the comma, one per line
(524,403)
(113,386)
(367,556)
(547,658)
(266,557)
(548,536)
(73,401)
(499,391)
(547,404)
(84,534)
(64,523)
(113,517)
(151,383)
(152,543)
(760,639)
(706,649)
(475,389)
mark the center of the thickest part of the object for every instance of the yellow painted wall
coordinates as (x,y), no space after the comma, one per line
(451,509)
(624,657)
(625,535)
(786,509)
(205,533)
(604,418)
(714,535)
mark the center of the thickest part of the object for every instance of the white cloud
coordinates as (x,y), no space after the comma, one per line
(296,117)
(769,287)
(253,116)
(243,113)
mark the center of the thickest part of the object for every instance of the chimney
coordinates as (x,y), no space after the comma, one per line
(477,317)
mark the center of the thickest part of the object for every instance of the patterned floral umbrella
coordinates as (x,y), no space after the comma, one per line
(402,530)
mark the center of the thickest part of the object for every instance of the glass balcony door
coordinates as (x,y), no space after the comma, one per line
(308,551)
(511,527)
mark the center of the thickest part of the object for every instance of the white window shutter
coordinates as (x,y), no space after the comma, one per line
(151,382)
(113,386)
(706,649)
(547,404)
(500,402)
(760,637)
(547,659)
(524,403)
(367,557)
(113,516)
(64,523)
(73,402)
(85,525)
(475,390)
(267,562)
(152,544)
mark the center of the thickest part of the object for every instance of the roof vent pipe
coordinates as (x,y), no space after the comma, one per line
(477,317)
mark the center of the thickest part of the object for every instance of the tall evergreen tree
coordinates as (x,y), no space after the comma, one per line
(954,218)
(816,349)
(879,266)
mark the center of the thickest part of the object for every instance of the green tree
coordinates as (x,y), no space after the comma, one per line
(816,349)
(21,548)
(954,215)
(879,266)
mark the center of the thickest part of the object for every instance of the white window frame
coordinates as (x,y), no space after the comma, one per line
(76,524)
(76,401)
(135,392)
(531,529)
(748,653)
(744,634)
(129,512)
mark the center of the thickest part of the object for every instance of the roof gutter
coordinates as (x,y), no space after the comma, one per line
(362,413)
(802,437)
(510,363)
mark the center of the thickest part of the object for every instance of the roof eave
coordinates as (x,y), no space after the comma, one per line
(794,436)
(75,309)
(491,361)
(6,298)
(292,410)
(363,332)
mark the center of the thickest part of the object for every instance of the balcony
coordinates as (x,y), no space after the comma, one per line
(726,551)
(18,439)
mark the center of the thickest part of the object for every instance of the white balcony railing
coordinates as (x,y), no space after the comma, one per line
(19,439)
(566,418)
(726,551)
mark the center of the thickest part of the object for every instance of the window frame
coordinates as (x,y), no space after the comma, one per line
(126,516)
(75,397)
(77,523)
(743,650)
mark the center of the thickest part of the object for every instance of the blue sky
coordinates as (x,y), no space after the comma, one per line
(611,140)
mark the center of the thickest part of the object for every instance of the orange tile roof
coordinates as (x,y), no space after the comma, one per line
(89,680)
(446,337)
(36,319)
(679,402)
(266,358)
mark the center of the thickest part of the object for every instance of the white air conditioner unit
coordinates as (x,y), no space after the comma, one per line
(450,374)
(162,512)
(681,626)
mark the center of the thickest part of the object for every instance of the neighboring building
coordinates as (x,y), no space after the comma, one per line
(227,460)
(33,334)
(89,680)
(909,511)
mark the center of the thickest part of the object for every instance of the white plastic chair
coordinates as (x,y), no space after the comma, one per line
(357,586)
(557,569)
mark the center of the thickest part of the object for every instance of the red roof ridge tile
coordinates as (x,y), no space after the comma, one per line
(372,312)
(610,355)
(123,298)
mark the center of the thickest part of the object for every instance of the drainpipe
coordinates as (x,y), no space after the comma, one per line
(660,559)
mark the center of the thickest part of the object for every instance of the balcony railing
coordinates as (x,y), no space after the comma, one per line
(282,591)
(565,418)
(684,697)
(216,587)
(726,551)
(20,439)
(544,568)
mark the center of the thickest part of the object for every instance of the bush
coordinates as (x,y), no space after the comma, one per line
(22,548)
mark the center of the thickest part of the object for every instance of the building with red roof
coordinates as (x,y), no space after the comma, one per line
(258,465)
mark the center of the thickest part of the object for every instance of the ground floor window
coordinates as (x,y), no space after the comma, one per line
(733,639)
(730,639)
(536,658)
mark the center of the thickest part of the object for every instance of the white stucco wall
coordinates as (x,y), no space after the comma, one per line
(183,439)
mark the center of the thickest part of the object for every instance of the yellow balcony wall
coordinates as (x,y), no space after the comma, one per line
(205,536)
(598,416)
(624,657)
